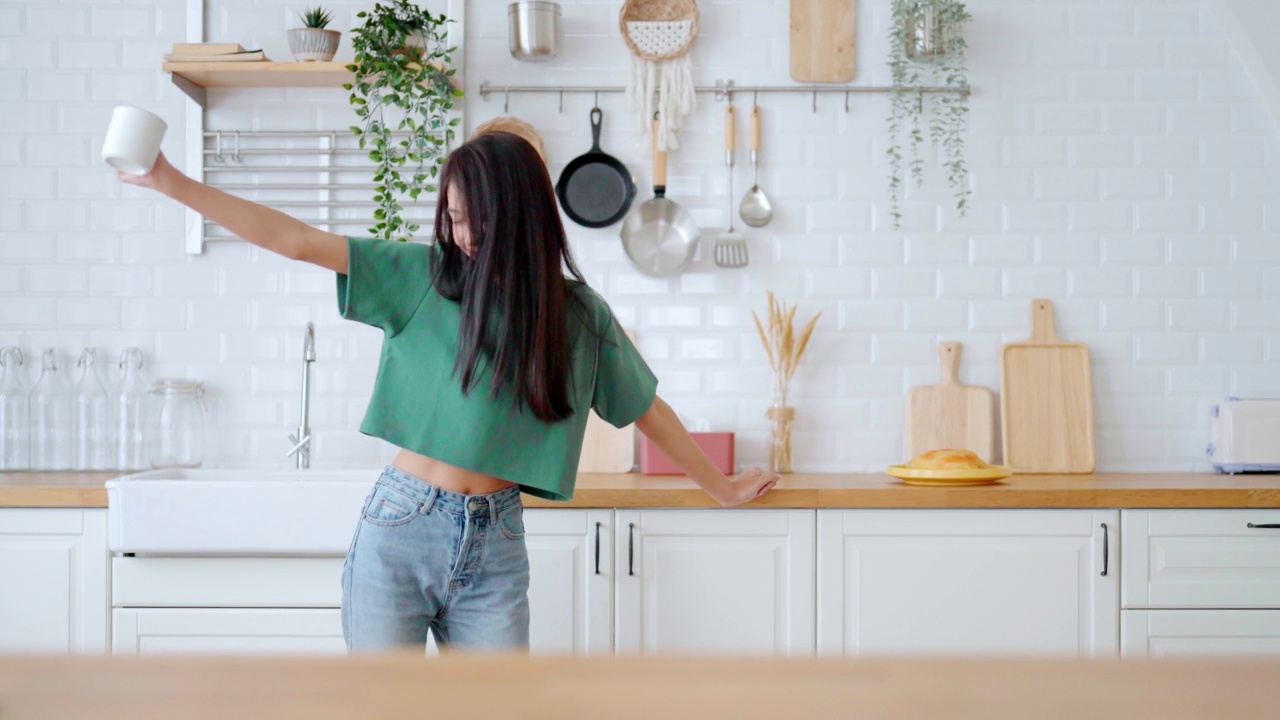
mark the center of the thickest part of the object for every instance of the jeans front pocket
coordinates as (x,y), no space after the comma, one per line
(389,506)
(511,522)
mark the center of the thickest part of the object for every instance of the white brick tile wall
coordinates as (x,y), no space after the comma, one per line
(1121,163)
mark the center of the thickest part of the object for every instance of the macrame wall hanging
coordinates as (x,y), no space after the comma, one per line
(659,33)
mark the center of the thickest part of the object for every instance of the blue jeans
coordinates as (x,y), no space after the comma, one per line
(425,558)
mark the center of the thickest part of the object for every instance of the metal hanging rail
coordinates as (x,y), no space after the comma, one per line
(723,89)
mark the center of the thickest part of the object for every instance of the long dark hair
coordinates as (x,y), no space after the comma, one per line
(513,292)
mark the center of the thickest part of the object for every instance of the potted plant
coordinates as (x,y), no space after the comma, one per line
(312,41)
(927,41)
(402,91)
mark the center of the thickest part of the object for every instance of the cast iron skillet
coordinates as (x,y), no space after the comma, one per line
(596,189)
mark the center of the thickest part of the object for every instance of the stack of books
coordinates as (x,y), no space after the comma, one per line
(212,52)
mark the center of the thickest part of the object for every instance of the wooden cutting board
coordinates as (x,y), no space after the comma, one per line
(951,415)
(1046,400)
(605,448)
(822,40)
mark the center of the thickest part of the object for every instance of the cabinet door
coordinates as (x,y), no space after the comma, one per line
(715,581)
(53,596)
(968,581)
(570,580)
(1172,633)
(203,631)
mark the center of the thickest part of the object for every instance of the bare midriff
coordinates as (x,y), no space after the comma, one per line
(448,477)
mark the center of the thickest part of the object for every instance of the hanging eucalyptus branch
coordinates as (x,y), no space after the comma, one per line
(928,32)
(394,74)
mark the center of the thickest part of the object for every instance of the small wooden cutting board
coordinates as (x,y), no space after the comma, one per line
(822,40)
(1046,400)
(951,415)
(605,448)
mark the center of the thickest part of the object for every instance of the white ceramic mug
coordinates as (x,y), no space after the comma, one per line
(133,140)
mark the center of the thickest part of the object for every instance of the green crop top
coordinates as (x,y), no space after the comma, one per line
(417,402)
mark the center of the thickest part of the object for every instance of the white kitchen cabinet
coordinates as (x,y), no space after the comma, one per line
(968,582)
(1174,633)
(570,581)
(1201,558)
(1201,582)
(204,631)
(54,580)
(714,581)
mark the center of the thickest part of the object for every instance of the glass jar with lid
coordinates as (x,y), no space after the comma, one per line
(177,426)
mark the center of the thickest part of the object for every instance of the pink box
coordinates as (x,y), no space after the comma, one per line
(717,445)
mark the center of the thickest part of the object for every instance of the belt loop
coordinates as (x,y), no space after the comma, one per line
(431,500)
(493,510)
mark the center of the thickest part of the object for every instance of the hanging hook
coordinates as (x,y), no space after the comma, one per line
(846,100)
(920,100)
(562,100)
(815,99)
(506,100)
(597,100)
(755,97)
(217,145)
(236,156)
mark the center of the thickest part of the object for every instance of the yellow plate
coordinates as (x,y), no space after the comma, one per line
(940,478)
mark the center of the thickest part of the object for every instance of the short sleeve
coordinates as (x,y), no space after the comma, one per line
(625,387)
(385,282)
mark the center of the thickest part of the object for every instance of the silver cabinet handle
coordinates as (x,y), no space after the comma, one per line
(631,548)
(1265,526)
(597,547)
(1106,553)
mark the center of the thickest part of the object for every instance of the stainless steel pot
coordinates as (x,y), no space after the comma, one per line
(534,30)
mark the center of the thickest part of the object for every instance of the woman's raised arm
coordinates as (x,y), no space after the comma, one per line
(260,225)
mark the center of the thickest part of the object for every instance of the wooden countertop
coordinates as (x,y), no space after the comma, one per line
(404,686)
(806,490)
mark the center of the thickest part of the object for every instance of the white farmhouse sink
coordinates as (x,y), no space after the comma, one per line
(236,511)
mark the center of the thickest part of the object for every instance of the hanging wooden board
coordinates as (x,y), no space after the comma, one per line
(951,415)
(822,40)
(605,448)
(1046,401)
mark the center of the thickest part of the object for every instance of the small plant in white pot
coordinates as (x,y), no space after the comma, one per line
(313,41)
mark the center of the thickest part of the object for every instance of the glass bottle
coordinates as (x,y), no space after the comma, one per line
(91,440)
(52,418)
(130,404)
(177,426)
(15,413)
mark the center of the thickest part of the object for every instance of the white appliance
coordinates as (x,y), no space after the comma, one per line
(1246,436)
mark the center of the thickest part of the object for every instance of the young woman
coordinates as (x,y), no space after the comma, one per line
(491,360)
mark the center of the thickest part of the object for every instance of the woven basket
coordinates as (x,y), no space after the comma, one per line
(659,29)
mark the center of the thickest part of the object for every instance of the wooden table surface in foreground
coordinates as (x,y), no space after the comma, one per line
(168,688)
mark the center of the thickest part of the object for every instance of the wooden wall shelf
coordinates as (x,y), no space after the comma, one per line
(193,77)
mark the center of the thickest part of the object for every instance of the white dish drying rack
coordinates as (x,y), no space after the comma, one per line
(321,177)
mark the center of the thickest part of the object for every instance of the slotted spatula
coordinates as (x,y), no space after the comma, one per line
(730,248)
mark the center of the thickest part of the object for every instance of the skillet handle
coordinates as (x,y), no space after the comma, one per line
(659,165)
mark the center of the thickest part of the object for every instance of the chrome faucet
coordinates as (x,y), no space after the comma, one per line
(302,440)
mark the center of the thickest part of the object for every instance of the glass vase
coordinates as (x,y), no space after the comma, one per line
(781,416)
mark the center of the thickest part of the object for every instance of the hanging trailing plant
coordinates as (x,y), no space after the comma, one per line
(928,37)
(403,93)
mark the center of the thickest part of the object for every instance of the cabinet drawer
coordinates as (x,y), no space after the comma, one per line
(1201,559)
(1180,633)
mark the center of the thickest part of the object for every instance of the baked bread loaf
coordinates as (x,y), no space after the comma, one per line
(948,460)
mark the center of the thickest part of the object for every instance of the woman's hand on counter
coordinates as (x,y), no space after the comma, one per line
(750,485)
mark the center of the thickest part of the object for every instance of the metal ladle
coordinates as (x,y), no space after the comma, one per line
(755,208)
